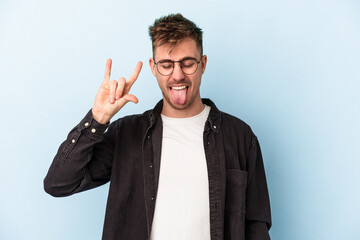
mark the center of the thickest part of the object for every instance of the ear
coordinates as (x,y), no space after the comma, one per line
(203,63)
(152,65)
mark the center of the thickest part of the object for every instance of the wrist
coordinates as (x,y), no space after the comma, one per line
(100,118)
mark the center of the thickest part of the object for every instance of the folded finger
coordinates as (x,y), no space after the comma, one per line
(113,86)
(120,88)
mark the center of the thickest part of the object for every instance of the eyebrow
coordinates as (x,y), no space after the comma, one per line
(169,60)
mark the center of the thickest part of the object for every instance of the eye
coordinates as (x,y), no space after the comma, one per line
(166,65)
(188,63)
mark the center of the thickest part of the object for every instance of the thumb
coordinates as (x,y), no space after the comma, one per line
(131,98)
(124,100)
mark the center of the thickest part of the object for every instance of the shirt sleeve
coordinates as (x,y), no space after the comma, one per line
(83,160)
(258,216)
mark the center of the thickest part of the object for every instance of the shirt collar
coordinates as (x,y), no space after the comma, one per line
(213,120)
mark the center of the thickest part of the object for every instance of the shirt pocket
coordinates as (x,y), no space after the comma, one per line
(236,182)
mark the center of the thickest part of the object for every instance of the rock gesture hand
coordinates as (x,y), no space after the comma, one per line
(113,95)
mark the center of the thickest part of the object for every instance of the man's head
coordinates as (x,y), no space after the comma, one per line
(173,28)
(178,64)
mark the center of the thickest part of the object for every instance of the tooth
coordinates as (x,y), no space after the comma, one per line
(179,88)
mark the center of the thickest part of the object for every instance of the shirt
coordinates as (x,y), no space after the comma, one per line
(128,155)
(182,202)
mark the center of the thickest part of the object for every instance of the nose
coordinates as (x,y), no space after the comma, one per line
(177,73)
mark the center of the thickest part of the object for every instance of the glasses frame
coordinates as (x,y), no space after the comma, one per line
(180,62)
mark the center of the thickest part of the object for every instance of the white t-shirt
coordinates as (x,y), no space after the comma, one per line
(182,203)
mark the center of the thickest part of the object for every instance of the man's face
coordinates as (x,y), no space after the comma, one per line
(180,91)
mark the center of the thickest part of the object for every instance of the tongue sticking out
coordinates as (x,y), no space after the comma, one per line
(179,96)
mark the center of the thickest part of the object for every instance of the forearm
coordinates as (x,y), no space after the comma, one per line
(69,172)
(258,213)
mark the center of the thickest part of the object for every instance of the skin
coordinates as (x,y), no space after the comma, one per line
(113,95)
(193,104)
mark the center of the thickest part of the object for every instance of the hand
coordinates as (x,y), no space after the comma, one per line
(112,96)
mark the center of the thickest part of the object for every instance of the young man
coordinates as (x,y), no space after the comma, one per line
(184,170)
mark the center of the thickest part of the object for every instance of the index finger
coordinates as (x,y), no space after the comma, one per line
(134,76)
(107,70)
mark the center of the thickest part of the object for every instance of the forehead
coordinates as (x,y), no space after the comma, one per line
(184,48)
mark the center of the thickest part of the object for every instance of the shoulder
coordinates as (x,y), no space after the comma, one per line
(235,130)
(230,125)
(231,122)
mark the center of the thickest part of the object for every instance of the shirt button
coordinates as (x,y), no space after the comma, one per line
(214,127)
(73,141)
(152,199)
(86,124)
(150,166)
(93,130)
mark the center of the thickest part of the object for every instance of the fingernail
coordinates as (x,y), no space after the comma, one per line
(112,100)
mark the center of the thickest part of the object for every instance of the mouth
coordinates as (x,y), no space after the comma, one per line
(179,94)
(178,87)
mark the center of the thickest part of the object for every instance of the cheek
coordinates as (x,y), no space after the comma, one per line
(197,80)
(161,81)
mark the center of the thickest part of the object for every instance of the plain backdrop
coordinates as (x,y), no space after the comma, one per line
(290,69)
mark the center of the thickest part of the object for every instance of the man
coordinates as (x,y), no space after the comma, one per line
(184,170)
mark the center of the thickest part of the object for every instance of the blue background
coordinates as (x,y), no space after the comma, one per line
(290,69)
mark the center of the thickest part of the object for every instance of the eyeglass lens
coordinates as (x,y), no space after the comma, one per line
(188,66)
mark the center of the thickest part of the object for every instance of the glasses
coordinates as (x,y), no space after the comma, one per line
(188,66)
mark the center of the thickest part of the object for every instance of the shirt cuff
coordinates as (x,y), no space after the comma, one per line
(91,127)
